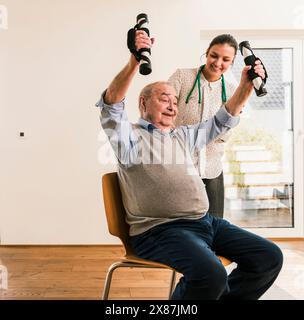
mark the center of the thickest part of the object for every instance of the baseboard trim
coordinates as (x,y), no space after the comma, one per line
(111,244)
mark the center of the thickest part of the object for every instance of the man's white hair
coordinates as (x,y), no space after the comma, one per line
(147,91)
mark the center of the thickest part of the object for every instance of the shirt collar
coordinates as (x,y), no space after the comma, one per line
(148,125)
(212,84)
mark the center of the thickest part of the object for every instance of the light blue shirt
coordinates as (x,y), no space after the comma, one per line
(125,142)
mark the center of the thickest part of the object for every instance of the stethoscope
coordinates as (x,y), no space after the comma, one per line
(198,82)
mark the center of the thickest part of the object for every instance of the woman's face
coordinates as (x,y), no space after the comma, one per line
(219,59)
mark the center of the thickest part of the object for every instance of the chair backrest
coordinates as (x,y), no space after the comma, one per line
(115,211)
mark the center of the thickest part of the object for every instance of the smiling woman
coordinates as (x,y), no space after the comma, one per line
(201,93)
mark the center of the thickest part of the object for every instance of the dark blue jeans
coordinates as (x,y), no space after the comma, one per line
(191,246)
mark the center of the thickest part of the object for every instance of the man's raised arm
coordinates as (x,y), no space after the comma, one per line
(120,84)
(227,117)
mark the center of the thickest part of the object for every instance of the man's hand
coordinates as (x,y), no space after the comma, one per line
(142,40)
(258,69)
(236,103)
(120,84)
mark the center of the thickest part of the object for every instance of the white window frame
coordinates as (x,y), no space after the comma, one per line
(281,39)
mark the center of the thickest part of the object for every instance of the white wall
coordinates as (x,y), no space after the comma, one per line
(55,59)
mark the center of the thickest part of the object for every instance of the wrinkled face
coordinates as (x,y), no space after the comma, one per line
(219,59)
(161,108)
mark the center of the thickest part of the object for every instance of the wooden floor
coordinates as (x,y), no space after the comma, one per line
(260,218)
(69,272)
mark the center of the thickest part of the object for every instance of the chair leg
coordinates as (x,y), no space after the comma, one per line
(108,280)
(116,265)
(172,283)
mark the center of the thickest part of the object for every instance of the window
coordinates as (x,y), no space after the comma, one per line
(259,154)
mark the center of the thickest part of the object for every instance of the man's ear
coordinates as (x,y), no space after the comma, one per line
(142,104)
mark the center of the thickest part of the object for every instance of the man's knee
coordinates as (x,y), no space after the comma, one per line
(218,281)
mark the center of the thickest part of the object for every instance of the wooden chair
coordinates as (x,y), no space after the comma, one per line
(115,213)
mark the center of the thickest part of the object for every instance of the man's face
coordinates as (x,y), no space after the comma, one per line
(161,108)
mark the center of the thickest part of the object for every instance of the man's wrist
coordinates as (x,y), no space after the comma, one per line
(236,103)
(133,63)
(232,109)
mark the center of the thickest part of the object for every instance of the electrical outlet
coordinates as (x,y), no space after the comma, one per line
(21,135)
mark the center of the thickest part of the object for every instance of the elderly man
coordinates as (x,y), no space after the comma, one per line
(165,199)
